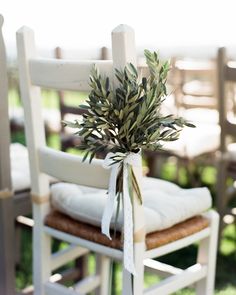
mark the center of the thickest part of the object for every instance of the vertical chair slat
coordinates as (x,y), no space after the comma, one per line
(5,175)
(31,99)
(35,135)
(7,259)
(124,52)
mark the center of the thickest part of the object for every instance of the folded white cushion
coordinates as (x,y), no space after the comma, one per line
(200,115)
(165,203)
(20,174)
(194,142)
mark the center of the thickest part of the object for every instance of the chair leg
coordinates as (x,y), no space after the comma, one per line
(18,230)
(103,267)
(127,283)
(7,259)
(41,259)
(207,256)
(138,281)
(81,264)
(133,285)
(221,191)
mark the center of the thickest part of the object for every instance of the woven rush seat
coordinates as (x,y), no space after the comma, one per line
(62,222)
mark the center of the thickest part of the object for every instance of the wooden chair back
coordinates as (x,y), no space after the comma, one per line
(36,72)
(69,140)
(227,119)
(194,83)
(226,74)
(61,74)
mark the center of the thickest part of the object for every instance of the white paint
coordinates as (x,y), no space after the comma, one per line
(70,168)
(63,256)
(51,73)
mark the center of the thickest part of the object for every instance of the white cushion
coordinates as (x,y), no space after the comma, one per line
(198,88)
(200,115)
(20,174)
(165,203)
(20,171)
(232,151)
(194,142)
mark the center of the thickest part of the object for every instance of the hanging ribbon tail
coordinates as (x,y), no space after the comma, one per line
(133,160)
(110,204)
(128,226)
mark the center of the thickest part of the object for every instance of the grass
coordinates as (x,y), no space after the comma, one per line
(226,263)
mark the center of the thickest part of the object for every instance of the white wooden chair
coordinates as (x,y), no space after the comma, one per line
(15,202)
(193,84)
(195,81)
(14,185)
(38,72)
(227,157)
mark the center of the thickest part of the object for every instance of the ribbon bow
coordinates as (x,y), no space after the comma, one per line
(128,159)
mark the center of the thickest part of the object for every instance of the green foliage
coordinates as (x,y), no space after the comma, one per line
(128,118)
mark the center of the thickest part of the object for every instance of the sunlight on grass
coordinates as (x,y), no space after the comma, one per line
(209,175)
(91,264)
(230,290)
(150,279)
(50,98)
(228,244)
(13,97)
(54,141)
(185,292)
(75,98)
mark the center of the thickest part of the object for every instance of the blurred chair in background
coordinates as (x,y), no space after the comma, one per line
(14,185)
(226,185)
(193,85)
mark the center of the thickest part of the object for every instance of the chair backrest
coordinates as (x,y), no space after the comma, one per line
(69,140)
(36,72)
(64,108)
(227,119)
(5,175)
(196,79)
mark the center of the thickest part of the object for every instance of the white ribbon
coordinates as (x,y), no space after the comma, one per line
(133,160)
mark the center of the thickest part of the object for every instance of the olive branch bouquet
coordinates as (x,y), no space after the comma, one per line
(127,119)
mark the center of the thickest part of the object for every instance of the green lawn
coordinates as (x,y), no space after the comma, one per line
(226,265)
